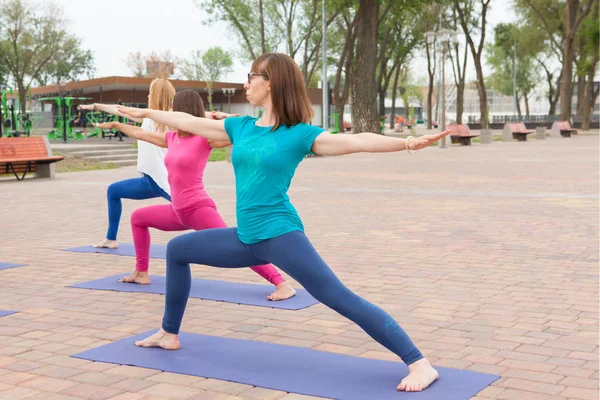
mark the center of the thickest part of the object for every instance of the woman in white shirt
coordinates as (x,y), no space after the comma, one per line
(151,162)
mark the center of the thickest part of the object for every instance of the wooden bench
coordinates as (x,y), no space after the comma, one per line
(515,130)
(460,133)
(21,155)
(562,128)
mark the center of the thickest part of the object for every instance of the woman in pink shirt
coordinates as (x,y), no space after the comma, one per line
(191,207)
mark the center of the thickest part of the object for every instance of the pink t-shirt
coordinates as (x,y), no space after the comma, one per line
(185,161)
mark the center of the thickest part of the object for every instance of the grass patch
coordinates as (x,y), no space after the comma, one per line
(74,164)
(218,155)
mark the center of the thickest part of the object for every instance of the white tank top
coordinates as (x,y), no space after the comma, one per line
(151,159)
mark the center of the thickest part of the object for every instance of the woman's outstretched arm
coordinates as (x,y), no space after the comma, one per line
(208,128)
(137,132)
(327,144)
(107,108)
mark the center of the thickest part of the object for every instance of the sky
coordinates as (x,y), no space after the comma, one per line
(114,28)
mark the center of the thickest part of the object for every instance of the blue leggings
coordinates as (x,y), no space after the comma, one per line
(137,189)
(292,253)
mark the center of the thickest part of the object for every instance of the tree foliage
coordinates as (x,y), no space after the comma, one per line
(34,44)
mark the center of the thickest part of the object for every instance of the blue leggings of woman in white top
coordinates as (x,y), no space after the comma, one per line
(136,189)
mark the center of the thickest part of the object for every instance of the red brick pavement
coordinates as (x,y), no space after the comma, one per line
(488,257)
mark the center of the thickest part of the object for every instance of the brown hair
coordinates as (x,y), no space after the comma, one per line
(161,97)
(291,104)
(188,102)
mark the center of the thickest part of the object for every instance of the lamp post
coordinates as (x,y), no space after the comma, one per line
(325,85)
(1,109)
(445,38)
(229,92)
(61,86)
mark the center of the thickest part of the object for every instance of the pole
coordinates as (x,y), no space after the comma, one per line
(325,85)
(64,113)
(515,77)
(1,110)
(443,110)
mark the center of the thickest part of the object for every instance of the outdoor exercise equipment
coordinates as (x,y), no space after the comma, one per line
(64,121)
(14,123)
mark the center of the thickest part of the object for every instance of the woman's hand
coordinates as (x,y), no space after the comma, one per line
(426,140)
(133,112)
(107,125)
(88,107)
(222,115)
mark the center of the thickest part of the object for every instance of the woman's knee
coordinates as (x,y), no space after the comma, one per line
(138,217)
(113,190)
(176,248)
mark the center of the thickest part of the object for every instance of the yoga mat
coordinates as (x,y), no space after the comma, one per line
(125,249)
(286,368)
(240,293)
(4,313)
(9,265)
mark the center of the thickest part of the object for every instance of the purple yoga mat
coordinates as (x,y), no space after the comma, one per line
(9,265)
(4,313)
(230,292)
(125,249)
(286,368)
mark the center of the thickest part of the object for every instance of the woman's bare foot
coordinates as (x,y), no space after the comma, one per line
(284,291)
(139,277)
(162,339)
(106,244)
(421,374)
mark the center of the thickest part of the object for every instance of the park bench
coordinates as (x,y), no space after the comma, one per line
(460,133)
(562,128)
(515,130)
(21,155)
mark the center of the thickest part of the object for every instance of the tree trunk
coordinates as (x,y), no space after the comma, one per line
(552,97)
(477,53)
(483,104)
(394,96)
(431,72)
(263,45)
(572,22)
(581,88)
(590,97)
(586,106)
(526,97)
(22,97)
(364,94)
(381,96)
(519,113)
(460,102)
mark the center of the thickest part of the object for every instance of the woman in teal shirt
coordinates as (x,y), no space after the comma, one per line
(265,155)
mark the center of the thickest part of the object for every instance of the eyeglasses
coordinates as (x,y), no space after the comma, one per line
(253,74)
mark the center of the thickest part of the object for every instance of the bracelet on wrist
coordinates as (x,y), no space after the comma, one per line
(410,151)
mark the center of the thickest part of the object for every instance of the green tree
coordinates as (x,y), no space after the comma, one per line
(32,36)
(341,42)
(371,15)
(251,21)
(399,35)
(588,56)
(472,18)
(561,20)
(70,63)
(508,39)
(547,17)
(210,66)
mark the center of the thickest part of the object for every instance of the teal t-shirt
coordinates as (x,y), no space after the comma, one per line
(264,163)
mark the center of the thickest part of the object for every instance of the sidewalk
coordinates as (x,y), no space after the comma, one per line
(487,256)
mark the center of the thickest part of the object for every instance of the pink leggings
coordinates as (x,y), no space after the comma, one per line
(166,218)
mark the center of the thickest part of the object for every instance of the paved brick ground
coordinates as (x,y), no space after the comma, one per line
(487,255)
